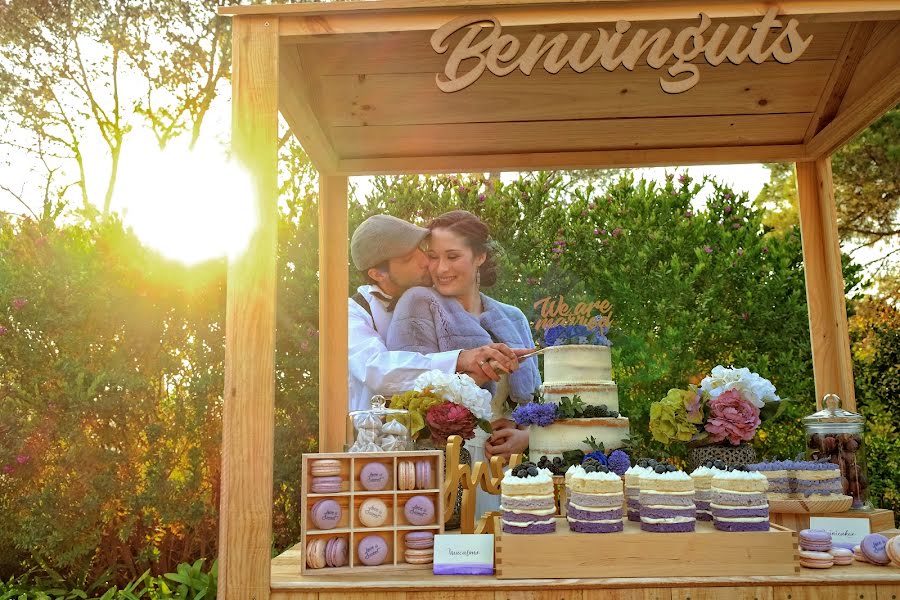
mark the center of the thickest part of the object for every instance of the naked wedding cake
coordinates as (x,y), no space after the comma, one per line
(585,371)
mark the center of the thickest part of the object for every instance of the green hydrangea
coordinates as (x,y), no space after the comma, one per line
(417,403)
(669,420)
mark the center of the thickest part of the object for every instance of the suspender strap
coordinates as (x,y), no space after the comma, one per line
(359,299)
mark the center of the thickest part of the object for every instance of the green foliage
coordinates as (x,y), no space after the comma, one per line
(570,408)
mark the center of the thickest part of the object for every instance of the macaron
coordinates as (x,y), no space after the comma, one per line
(326,485)
(815,540)
(815,560)
(336,552)
(325,467)
(406,475)
(372,550)
(873,547)
(419,510)
(315,554)
(326,514)
(419,540)
(858,555)
(373,512)
(424,479)
(842,556)
(419,557)
(374,476)
(893,550)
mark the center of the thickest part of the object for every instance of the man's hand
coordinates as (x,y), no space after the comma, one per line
(506,442)
(482,363)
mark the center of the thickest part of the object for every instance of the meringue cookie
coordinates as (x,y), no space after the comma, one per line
(391,443)
(395,428)
(367,421)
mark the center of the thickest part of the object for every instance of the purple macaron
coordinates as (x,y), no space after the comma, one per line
(815,540)
(326,514)
(372,550)
(419,510)
(423,475)
(419,540)
(873,548)
(326,485)
(374,476)
(336,552)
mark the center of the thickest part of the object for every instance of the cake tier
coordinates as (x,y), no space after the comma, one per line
(590,393)
(568,434)
(577,363)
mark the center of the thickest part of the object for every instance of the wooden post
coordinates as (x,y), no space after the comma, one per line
(245,513)
(832,363)
(334,282)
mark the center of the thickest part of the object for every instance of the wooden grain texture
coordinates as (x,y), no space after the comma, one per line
(841,74)
(874,89)
(724,593)
(539,595)
(560,136)
(334,281)
(823,592)
(414,99)
(635,553)
(888,592)
(248,419)
(836,505)
(654,157)
(832,362)
(879,519)
(633,594)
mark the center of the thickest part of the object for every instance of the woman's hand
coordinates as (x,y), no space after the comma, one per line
(506,441)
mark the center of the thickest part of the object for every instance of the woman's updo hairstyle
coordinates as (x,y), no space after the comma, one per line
(477,236)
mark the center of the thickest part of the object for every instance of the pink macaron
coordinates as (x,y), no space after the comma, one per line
(419,540)
(326,485)
(842,556)
(325,514)
(374,476)
(424,476)
(372,550)
(815,560)
(336,552)
(419,510)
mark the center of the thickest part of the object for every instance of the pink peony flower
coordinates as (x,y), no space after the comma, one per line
(448,419)
(732,418)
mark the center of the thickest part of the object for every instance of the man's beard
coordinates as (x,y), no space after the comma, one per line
(425,280)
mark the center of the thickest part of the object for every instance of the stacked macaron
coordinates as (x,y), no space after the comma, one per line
(815,549)
(419,510)
(330,552)
(326,476)
(424,475)
(842,556)
(667,500)
(415,475)
(633,488)
(527,501)
(893,550)
(596,499)
(702,477)
(874,549)
(419,547)
(738,501)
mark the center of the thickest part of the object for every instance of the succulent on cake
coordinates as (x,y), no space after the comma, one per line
(563,335)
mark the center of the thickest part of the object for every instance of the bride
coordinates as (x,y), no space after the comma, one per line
(454,314)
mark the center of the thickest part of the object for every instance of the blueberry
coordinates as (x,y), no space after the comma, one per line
(720,464)
(660,469)
(544,458)
(533,471)
(603,469)
(557,460)
(671,468)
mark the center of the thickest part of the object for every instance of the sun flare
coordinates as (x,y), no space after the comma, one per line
(190,206)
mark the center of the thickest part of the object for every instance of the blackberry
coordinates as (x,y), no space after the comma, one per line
(544,459)
(557,460)
(603,408)
(660,469)
(614,414)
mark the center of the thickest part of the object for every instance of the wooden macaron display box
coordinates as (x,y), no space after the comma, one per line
(370,511)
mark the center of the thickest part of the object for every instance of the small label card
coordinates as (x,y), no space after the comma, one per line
(842,530)
(464,554)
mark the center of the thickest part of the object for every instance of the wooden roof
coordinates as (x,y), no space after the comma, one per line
(358,86)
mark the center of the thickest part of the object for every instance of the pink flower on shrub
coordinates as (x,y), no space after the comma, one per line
(8,469)
(304,345)
(708,249)
(19,303)
(689,214)
(22,459)
(3,330)
(617,232)
(732,418)
(481,197)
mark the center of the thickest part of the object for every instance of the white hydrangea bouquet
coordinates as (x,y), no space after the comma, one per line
(751,386)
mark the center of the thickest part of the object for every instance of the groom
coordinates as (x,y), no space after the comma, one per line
(387,250)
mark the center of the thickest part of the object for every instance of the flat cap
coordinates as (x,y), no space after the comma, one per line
(383,237)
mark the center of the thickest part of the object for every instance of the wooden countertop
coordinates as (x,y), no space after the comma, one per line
(286,576)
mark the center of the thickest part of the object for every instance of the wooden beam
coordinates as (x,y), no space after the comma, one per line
(841,74)
(334,283)
(832,362)
(248,421)
(874,90)
(653,157)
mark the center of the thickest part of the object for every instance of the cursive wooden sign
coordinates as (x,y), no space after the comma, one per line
(555,311)
(501,53)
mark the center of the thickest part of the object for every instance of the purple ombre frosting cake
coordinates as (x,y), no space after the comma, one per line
(633,491)
(667,501)
(527,503)
(595,500)
(800,479)
(739,501)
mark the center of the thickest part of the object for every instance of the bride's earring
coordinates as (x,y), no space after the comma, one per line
(478,277)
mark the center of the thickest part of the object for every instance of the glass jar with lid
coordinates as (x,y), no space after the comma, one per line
(379,429)
(836,435)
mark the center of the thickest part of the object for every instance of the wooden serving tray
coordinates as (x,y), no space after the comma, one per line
(838,505)
(635,553)
(352,495)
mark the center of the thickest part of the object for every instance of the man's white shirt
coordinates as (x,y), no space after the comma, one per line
(373,368)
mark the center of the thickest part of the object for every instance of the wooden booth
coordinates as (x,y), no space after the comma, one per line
(417,86)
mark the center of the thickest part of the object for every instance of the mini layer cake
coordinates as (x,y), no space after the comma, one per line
(703,476)
(817,480)
(739,501)
(667,501)
(527,504)
(633,488)
(778,475)
(596,499)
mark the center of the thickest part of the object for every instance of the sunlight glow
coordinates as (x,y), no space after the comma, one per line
(190,206)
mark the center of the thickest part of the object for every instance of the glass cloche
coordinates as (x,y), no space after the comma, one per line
(379,429)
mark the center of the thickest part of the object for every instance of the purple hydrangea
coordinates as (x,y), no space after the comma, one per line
(596,454)
(619,462)
(534,413)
